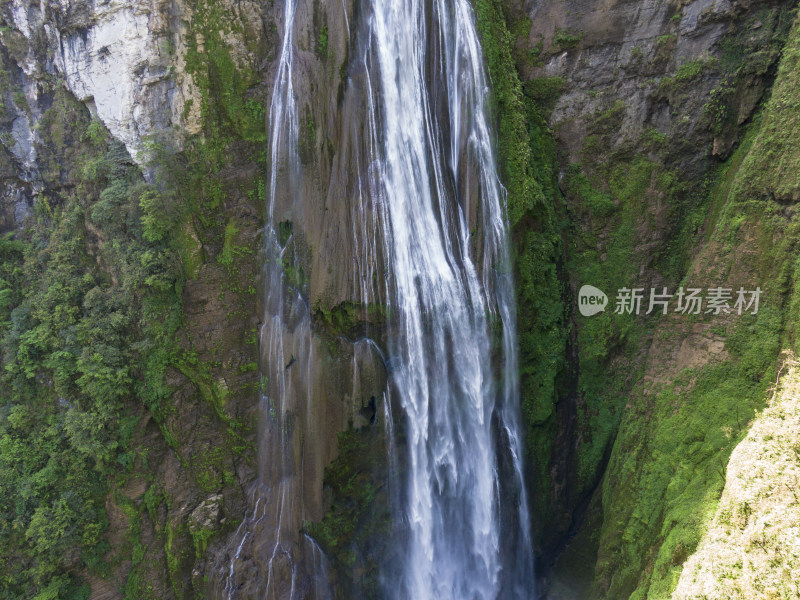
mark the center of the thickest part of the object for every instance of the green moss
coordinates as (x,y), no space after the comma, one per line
(609,121)
(653,140)
(527,155)
(746,54)
(544,92)
(200,539)
(173,556)
(524,191)
(322,43)
(294,273)
(249,367)
(609,193)
(199,373)
(772,169)
(307,140)
(691,69)
(136,583)
(229,248)
(285,229)
(190,250)
(355,527)
(227,89)
(669,469)
(600,203)
(686,73)
(351,319)
(666,40)
(613,195)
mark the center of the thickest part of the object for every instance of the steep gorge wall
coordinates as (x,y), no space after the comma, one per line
(112,229)
(137,132)
(654,107)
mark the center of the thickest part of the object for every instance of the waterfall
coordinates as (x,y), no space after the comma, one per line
(424,211)
(456,382)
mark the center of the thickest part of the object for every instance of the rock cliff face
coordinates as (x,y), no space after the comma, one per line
(125,61)
(653,110)
(632,88)
(651,105)
(658,63)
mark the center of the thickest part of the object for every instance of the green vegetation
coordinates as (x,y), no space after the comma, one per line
(527,156)
(544,92)
(351,319)
(668,470)
(322,43)
(691,69)
(746,552)
(746,53)
(524,191)
(91,323)
(564,40)
(528,166)
(136,585)
(666,40)
(87,323)
(684,77)
(230,249)
(355,528)
(200,538)
(610,265)
(771,171)
(605,123)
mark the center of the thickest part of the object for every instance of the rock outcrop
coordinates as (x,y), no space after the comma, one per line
(752,546)
(124,60)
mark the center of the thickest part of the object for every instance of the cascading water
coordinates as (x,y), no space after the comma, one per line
(436,164)
(429,242)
